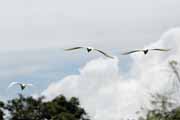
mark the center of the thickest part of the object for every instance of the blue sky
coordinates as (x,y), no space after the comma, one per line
(34,33)
(107,91)
(41,67)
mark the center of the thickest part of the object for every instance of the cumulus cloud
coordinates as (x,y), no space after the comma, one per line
(107,94)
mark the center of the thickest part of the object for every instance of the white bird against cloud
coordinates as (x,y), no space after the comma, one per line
(89,49)
(21,85)
(145,51)
(108,94)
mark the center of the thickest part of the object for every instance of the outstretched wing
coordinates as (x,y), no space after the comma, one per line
(74,48)
(12,84)
(28,85)
(161,49)
(126,53)
(105,54)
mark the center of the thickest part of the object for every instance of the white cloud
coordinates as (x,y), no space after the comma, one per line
(107,94)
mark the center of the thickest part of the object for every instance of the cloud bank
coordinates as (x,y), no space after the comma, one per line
(108,94)
(31,24)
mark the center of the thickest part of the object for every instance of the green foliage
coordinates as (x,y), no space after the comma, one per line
(172,115)
(1,110)
(162,103)
(161,109)
(28,108)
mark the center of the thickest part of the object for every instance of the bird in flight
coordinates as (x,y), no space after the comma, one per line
(89,49)
(145,51)
(21,85)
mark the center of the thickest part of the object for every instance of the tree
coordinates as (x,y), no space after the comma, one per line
(28,108)
(163,107)
(1,110)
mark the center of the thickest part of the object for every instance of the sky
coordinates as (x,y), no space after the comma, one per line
(60,23)
(34,33)
(108,93)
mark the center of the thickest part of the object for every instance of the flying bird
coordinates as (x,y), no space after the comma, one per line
(21,85)
(145,51)
(89,49)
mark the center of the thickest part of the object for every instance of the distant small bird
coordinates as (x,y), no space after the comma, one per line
(89,49)
(145,51)
(22,85)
